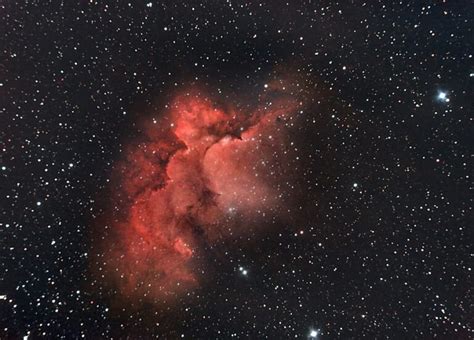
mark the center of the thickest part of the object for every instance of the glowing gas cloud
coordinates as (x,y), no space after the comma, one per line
(201,173)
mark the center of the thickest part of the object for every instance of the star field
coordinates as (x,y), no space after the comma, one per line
(371,237)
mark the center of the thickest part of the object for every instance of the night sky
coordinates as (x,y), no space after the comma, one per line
(236,169)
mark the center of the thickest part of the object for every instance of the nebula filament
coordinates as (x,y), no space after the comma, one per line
(201,174)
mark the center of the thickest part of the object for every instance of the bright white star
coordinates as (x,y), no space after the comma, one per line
(443,96)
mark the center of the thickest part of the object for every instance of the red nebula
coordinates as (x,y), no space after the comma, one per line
(200,174)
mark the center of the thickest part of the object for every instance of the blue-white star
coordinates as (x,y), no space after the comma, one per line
(443,96)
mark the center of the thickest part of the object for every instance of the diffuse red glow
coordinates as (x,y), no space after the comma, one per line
(201,174)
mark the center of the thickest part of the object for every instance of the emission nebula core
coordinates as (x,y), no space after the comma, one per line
(197,174)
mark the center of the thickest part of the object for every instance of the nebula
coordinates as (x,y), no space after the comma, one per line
(199,173)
